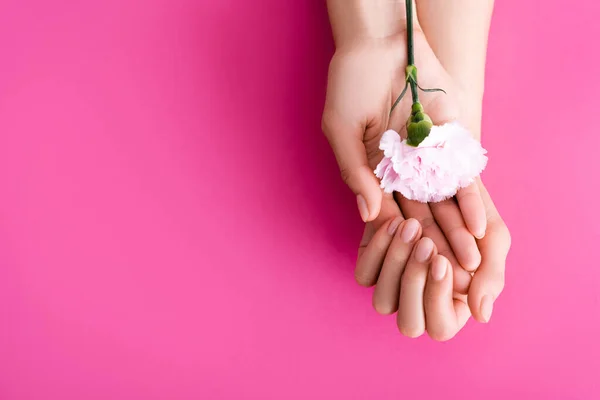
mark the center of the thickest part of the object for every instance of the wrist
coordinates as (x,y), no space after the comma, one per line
(359,20)
(471,112)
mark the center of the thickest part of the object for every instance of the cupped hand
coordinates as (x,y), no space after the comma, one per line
(415,281)
(365,78)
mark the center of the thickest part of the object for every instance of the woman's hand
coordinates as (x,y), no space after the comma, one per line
(461,49)
(366,74)
(365,78)
(415,281)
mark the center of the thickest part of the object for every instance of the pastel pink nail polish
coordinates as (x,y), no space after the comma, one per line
(409,231)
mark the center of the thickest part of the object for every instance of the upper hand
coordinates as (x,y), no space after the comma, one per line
(364,80)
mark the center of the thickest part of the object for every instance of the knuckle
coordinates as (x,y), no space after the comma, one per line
(465,193)
(503,236)
(346,175)
(412,274)
(455,231)
(373,152)
(398,254)
(426,221)
(379,246)
(506,236)
(443,206)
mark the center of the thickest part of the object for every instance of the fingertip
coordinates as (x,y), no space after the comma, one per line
(374,205)
(481,307)
(365,280)
(370,206)
(439,303)
(479,230)
(411,333)
(439,268)
(475,219)
(473,210)
(462,279)
(411,231)
(424,250)
(486,308)
(365,185)
(382,308)
(363,208)
(473,260)
(394,224)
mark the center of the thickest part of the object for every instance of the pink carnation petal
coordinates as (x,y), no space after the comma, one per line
(446,161)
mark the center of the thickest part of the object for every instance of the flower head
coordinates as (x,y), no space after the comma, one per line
(446,160)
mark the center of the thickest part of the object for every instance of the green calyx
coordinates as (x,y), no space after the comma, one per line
(418,125)
(411,73)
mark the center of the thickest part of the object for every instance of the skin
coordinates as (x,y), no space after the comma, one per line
(461,49)
(366,75)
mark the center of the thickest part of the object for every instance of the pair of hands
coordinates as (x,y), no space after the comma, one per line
(409,249)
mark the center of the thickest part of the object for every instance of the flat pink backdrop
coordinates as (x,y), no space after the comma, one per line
(173,225)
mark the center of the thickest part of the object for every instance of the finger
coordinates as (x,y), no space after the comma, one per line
(472,209)
(445,316)
(372,254)
(422,213)
(348,147)
(387,291)
(450,220)
(389,210)
(488,281)
(368,234)
(411,313)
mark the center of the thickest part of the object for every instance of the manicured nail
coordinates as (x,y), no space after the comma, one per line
(394,226)
(479,234)
(424,250)
(362,208)
(473,261)
(409,231)
(438,269)
(487,306)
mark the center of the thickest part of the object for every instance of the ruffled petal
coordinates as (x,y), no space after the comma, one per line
(446,161)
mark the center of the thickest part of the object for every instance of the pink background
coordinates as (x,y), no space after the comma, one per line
(150,247)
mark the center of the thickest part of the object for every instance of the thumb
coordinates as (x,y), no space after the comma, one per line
(350,153)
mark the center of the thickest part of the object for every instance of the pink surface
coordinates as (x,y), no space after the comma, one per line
(147,253)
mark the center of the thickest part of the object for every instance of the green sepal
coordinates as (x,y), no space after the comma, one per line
(418,125)
(411,73)
(418,131)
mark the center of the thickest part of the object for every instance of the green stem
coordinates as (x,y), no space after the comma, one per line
(410,48)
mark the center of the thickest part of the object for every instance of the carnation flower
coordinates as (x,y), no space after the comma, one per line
(447,159)
(434,162)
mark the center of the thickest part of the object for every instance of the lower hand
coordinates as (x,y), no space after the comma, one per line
(414,280)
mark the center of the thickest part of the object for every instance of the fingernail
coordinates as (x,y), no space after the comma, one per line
(479,235)
(424,250)
(473,260)
(438,269)
(394,226)
(487,306)
(362,208)
(409,231)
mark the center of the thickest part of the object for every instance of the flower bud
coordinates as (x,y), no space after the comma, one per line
(418,125)
(418,131)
